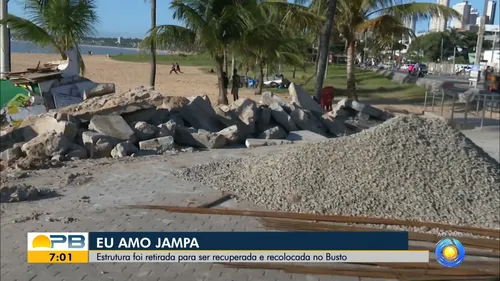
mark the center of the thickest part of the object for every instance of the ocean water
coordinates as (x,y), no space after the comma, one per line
(28,47)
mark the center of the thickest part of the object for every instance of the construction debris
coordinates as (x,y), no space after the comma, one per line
(144,122)
(408,168)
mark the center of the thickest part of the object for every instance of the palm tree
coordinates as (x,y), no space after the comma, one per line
(152,77)
(324,45)
(379,17)
(57,23)
(211,24)
(273,39)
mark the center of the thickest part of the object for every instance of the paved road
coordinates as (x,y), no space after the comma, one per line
(135,181)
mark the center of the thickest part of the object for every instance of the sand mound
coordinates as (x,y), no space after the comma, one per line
(406,168)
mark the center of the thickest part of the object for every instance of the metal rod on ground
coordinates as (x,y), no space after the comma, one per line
(217,201)
(484,112)
(312,217)
(442,101)
(453,106)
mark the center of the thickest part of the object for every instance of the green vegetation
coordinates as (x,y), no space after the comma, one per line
(428,47)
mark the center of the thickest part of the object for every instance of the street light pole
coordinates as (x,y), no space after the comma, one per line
(4,41)
(480,34)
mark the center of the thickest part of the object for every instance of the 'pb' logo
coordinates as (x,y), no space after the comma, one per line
(59,241)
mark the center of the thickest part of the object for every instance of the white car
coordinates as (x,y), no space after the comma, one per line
(274,82)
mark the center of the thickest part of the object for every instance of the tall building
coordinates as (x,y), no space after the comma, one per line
(490,12)
(438,24)
(473,16)
(464,10)
(410,23)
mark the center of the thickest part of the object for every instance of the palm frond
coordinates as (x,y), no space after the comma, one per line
(170,36)
(421,11)
(29,31)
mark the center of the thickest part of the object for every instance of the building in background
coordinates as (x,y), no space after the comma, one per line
(438,24)
(473,16)
(490,12)
(464,9)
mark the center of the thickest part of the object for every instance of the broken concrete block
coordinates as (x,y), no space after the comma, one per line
(200,114)
(335,127)
(76,152)
(269,98)
(199,138)
(251,143)
(167,129)
(159,145)
(46,145)
(99,90)
(364,108)
(303,99)
(305,136)
(143,130)
(265,117)
(282,118)
(91,139)
(123,149)
(111,125)
(37,125)
(247,111)
(11,153)
(275,132)
(232,134)
(145,115)
(305,120)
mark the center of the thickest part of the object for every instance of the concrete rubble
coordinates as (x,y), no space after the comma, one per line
(144,122)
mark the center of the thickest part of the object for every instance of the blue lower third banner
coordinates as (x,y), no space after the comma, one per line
(247,241)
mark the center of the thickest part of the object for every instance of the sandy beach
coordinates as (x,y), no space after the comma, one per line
(128,75)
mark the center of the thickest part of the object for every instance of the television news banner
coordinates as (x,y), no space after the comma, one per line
(227,247)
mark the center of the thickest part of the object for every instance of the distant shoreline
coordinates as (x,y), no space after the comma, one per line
(107,47)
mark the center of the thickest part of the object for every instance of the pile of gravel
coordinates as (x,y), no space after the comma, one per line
(405,168)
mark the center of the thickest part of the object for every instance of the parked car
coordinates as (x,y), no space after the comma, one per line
(423,68)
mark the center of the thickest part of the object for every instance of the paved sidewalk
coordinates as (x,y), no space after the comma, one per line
(116,183)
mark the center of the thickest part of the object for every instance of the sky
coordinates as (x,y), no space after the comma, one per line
(131,18)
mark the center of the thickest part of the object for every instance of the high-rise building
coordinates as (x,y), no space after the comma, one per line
(473,16)
(411,23)
(490,12)
(464,10)
(438,24)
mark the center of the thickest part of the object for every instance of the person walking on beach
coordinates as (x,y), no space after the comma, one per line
(236,85)
(174,69)
(178,67)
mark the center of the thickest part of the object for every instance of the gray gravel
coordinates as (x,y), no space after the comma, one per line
(405,168)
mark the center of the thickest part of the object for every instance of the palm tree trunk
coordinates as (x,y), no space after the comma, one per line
(324,46)
(351,82)
(219,65)
(261,79)
(152,76)
(225,62)
(316,59)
